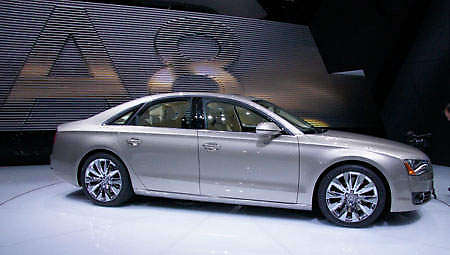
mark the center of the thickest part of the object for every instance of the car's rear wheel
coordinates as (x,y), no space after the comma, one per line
(105,180)
(351,196)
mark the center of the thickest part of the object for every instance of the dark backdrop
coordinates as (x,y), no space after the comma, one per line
(402,46)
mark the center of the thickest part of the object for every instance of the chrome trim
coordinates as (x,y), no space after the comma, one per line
(211,146)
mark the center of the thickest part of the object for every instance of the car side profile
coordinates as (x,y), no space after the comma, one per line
(240,150)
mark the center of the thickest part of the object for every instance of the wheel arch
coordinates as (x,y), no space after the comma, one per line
(354,162)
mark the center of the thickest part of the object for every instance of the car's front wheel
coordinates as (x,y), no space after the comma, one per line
(351,196)
(105,180)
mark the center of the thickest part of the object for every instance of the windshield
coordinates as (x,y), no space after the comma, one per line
(294,120)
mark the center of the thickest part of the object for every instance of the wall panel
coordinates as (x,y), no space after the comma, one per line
(66,60)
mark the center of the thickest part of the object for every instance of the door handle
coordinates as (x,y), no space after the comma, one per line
(211,146)
(133,142)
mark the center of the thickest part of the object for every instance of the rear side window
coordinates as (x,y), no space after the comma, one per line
(173,114)
(124,117)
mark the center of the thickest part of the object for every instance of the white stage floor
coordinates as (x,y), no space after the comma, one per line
(41,215)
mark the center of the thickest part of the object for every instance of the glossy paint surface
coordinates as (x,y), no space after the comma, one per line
(48,216)
(234,167)
(166,159)
(248,167)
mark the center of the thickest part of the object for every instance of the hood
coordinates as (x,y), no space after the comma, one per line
(373,144)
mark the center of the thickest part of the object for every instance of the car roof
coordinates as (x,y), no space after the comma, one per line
(200,94)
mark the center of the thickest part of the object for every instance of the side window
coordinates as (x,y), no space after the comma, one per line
(249,119)
(228,117)
(222,117)
(121,120)
(173,114)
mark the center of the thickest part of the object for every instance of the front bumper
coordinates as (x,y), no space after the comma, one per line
(408,192)
(419,198)
(421,188)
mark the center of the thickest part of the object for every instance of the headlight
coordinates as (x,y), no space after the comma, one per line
(416,166)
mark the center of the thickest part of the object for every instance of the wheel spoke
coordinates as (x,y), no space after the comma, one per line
(369,199)
(338,185)
(348,180)
(116,181)
(107,196)
(92,189)
(92,180)
(333,194)
(100,195)
(353,216)
(366,210)
(93,171)
(106,166)
(359,180)
(343,216)
(113,173)
(99,167)
(114,190)
(336,205)
(367,188)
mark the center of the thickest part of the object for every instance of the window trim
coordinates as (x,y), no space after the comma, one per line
(133,119)
(197,111)
(205,100)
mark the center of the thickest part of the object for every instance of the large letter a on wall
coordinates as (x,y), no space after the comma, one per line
(67,27)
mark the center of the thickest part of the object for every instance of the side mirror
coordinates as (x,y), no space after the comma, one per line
(268,129)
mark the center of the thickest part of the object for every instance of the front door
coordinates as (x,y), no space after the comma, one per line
(162,147)
(235,162)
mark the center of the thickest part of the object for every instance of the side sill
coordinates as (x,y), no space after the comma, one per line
(173,195)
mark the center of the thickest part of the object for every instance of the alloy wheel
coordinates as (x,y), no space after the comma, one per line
(351,197)
(103,180)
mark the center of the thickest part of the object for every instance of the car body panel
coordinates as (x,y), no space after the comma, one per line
(166,158)
(248,166)
(316,154)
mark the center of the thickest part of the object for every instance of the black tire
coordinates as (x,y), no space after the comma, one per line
(126,191)
(380,190)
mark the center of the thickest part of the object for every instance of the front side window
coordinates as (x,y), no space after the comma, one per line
(249,119)
(222,116)
(173,114)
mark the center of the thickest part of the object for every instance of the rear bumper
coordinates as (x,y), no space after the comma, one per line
(64,170)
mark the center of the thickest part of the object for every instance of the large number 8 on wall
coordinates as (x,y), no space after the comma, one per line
(194,61)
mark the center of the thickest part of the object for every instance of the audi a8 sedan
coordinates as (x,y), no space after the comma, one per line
(239,150)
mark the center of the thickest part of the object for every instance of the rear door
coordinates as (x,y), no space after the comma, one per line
(161,146)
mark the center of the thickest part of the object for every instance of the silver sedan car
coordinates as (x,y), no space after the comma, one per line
(239,150)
